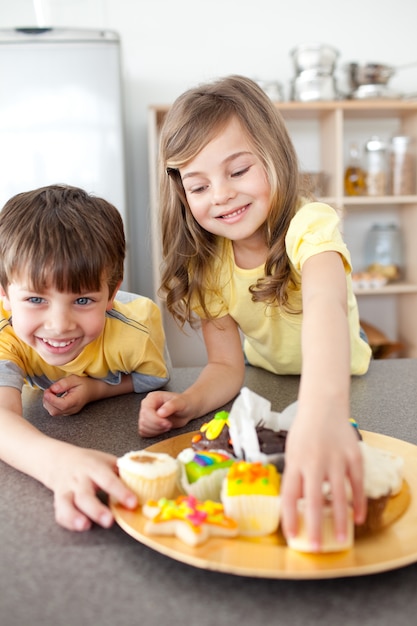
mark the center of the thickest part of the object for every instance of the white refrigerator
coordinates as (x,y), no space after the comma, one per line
(61,113)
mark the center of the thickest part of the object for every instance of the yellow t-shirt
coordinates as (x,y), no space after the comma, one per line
(132,342)
(272,336)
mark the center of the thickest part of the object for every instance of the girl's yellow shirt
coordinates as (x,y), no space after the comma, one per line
(272,336)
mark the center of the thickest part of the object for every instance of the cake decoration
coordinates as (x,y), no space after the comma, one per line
(202,472)
(198,464)
(191,520)
(214,434)
(251,495)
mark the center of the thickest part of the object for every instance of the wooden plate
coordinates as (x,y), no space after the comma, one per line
(268,557)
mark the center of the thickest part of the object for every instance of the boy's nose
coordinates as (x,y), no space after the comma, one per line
(59,320)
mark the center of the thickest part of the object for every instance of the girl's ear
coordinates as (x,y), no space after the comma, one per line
(4,296)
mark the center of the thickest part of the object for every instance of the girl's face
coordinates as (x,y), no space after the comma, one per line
(57,325)
(226,186)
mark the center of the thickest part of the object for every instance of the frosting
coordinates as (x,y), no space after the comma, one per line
(383,471)
(214,434)
(188,518)
(244,478)
(204,462)
(147,464)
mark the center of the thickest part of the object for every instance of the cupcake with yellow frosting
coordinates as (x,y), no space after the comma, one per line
(251,495)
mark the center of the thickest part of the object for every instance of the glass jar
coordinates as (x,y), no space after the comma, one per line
(384,253)
(401,166)
(355,182)
(376,167)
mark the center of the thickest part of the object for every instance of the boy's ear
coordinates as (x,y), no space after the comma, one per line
(112,297)
(4,296)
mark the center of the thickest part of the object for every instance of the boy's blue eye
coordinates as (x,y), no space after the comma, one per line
(83,300)
(35,300)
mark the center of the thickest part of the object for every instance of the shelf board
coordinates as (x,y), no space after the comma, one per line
(376,107)
(378,200)
(387,290)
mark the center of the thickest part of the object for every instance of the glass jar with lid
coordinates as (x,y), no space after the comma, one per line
(384,251)
(401,166)
(376,167)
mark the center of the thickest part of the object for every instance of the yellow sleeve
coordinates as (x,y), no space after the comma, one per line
(315,229)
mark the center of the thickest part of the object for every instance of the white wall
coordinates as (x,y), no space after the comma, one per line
(168,46)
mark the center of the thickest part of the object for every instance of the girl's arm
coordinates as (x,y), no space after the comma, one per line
(218,383)
(74,474)
(322,445)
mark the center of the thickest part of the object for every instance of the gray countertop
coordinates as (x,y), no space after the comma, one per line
(54,577)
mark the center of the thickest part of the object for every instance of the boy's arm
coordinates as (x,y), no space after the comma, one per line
(73,474)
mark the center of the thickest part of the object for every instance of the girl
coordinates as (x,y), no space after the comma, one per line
(249,256)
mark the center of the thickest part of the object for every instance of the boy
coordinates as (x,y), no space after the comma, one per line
(61,329)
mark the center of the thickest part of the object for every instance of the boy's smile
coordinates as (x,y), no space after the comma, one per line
(57,325)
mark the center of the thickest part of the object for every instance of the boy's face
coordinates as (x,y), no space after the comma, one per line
(57,325)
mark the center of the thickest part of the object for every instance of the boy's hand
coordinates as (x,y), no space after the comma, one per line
(76,477)
(69,395)
(161,411)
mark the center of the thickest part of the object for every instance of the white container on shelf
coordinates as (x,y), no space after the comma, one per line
(376,167)
(402,180)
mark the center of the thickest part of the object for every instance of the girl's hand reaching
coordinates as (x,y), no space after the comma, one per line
(316,454)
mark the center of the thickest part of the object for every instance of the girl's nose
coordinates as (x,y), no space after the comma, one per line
(222,192)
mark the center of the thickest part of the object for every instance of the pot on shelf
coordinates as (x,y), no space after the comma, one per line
(372,73)
(314,56)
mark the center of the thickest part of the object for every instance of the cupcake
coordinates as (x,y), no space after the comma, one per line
(191,520)
(202,473)
(383,478)
(150,475)
(251,495)
(329,540)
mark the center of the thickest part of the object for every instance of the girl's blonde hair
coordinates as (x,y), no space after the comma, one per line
(194,119)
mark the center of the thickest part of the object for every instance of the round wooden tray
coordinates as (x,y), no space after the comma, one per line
(269,557)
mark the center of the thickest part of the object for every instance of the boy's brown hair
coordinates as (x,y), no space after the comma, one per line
(62,236)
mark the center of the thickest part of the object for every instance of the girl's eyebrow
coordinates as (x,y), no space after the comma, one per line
(228,159)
